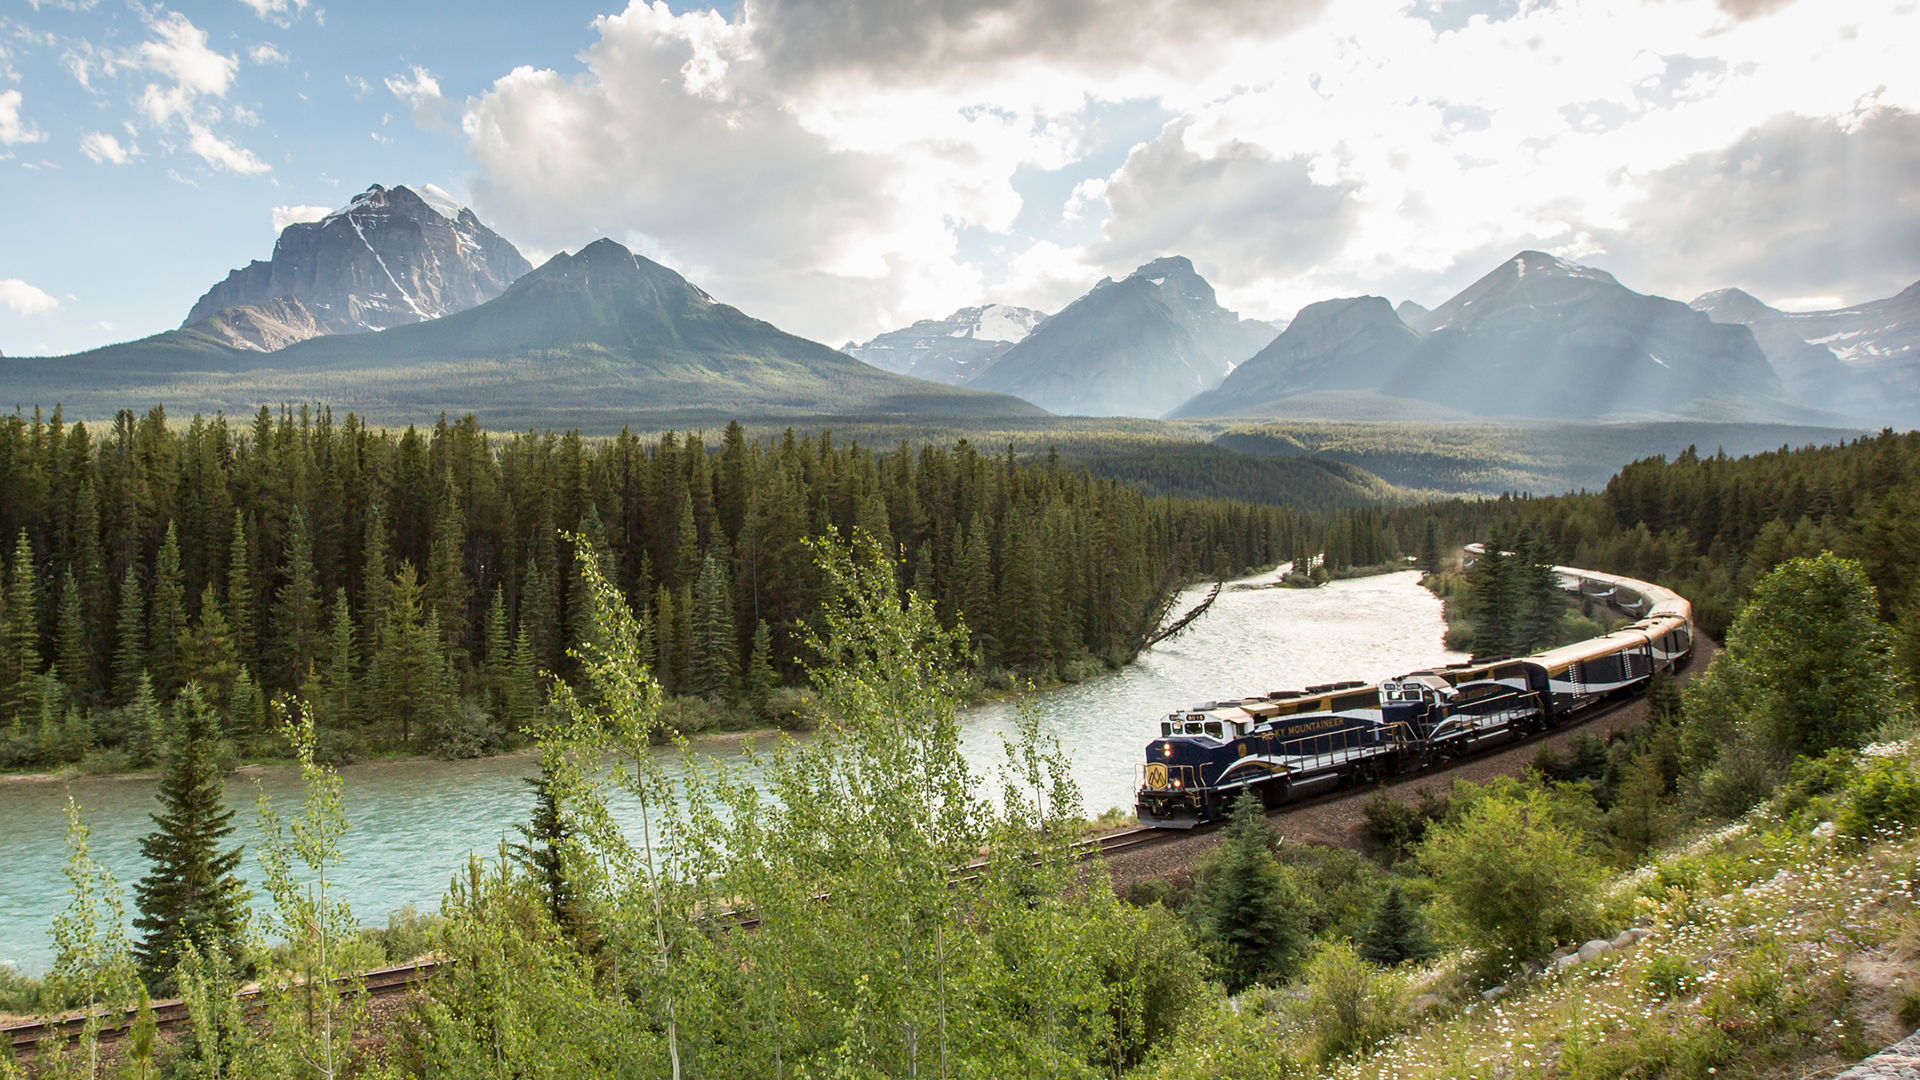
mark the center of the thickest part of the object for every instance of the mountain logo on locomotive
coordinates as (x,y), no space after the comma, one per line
(1290,741)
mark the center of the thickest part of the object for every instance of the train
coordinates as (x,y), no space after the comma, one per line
(1291,742)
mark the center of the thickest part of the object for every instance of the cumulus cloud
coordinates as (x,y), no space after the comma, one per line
(23,298)
(266,53)
(105,149)
(282,12)
(1797,206)
(421,93)
(820,162)
(12,128)
(179,51)
(222,154)
(284,216)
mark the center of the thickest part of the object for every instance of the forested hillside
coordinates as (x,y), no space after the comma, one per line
(416,585)
(1710,527)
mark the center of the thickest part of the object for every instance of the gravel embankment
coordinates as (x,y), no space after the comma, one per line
(1336,819)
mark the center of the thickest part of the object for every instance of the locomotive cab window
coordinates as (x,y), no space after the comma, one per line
(1166,728)
(1214,730)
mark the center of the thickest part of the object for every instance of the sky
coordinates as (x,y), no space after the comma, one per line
(845,167)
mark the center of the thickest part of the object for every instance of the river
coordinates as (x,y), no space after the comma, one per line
(415,821)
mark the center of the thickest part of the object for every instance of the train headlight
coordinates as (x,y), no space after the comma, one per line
(1166,749)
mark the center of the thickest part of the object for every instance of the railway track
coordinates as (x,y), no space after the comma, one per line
(172,1013)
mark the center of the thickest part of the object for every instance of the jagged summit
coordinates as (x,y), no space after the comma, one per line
(1356,343)
(1134,347)
(953,349)
(390,257)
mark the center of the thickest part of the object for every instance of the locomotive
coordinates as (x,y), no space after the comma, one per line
(1335,734)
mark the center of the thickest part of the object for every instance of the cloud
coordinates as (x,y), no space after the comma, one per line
(179,51)
(845,166)
(284,216)
(1797,209)
(12,128)
(24,299)
(104,149)
(281,12)
(421,92)
(222,154)
(266,53)
(1236,209)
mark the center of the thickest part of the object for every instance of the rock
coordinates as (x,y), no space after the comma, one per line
(1594,950)
(1426,1003)
(1566,962)
(1626,940)
(1824,830)
(1530,970)
(392,256)
(1564,950)
(1493,993)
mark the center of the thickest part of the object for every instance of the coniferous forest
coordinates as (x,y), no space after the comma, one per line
(419,587)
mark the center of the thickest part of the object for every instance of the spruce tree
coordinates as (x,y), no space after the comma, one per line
(130,652)
(20,639)
(523,685)
(410,662)
(296,609)
(339,704)
(169,617)
(240,612)
(715,661)
(1247,906)
(71,658)
(493,684)
(192,893)
(1396,934)
(1430,547)
(206,651)
(375,585)
(761,679)
(448,593)
(543,850)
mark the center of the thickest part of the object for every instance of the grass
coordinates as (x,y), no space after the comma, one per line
(1779,949)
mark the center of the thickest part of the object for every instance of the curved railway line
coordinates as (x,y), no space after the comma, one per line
(386,982)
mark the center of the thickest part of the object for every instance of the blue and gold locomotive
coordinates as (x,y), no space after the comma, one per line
(1291,741)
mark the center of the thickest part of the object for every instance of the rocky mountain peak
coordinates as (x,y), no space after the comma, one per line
(949,350)
(391,256)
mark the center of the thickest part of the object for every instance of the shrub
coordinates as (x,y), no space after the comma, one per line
(791,709)
(1886,798)
(1247,906)
(1511,879)
(1669,977)
(463,730)
(1350,1005)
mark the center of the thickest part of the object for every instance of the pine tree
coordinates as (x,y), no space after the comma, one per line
(544,851)
(1247,905)
(523,685)
(206,652)
(411,666)
(130,652)
(978,607)
(247,715)
(375,585)
(192,893)
(761,679)
(1396,934)
(664,622)
(493,685)
(20,679)
(240,611)
(146,730)
(448,594)
(169,617)
(296,609)
(1430,548)
(72,659)
(715,662)
(338,702)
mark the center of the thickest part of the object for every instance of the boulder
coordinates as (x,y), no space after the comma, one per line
(1594,950)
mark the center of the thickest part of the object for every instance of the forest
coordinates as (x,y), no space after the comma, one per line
(420,586)
(1709,527)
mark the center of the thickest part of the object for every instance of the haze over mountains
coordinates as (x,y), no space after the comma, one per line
(1136,347)
(404,303)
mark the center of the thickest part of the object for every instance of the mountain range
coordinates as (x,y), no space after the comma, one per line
(1537,337)
(1862,360)
(403,303)
(599,334)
